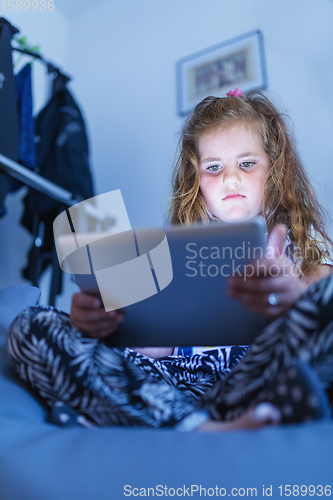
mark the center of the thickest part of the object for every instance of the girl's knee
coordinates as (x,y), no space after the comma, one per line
(19,328)
(35,321)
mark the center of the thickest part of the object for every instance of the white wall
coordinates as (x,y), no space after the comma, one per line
(123,56)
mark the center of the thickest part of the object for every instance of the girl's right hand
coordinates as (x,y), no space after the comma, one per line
(272,275)
(88,314)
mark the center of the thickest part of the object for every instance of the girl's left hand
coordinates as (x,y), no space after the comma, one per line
(269,276)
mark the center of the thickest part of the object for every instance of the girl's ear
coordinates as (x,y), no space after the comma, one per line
(276,240)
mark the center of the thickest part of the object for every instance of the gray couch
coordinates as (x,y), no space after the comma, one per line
(40,461)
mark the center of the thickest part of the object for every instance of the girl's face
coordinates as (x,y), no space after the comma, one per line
(233,166)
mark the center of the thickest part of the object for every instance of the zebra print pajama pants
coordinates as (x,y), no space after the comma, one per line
(95,384)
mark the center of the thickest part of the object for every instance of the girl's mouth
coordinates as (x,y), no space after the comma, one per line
(233,196)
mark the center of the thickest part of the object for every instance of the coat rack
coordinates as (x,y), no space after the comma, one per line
(56,192)
(9,145)
(43,249)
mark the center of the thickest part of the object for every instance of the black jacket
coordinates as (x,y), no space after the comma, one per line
(62,151)
(62,157)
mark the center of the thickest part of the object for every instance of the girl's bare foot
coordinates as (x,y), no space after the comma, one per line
(254,418)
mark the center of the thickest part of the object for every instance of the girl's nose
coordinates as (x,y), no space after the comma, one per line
(231,177)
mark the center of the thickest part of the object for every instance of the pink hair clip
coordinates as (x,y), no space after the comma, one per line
(236,92)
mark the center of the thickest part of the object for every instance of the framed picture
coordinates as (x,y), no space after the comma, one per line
(239,62)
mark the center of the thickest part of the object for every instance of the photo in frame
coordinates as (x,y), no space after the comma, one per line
(239,62)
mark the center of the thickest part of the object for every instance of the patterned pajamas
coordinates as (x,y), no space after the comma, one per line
(111,386)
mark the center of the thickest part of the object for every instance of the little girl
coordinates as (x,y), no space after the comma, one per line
(237,161)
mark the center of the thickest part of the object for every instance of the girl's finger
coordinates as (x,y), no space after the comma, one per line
(264,268)
(89,316)
(266,311)
(276,240)
(94,315)
(102,333)
(260,303)
(96,321)
(86,301)
(258,286)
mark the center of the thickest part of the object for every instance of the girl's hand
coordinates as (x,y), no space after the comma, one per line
(271,275)
(88,314)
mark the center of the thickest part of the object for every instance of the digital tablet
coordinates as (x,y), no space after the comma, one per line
(183,272)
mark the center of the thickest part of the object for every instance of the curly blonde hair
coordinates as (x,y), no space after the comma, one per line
(288,196)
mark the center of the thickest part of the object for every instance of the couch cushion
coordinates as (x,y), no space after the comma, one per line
(41,461)
(15,399)
(13,300)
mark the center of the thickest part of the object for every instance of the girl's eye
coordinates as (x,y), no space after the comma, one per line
(247,164)
(214,168)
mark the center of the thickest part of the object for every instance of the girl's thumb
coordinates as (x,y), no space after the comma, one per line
(275,244)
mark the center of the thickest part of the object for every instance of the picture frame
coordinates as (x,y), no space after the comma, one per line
(239,62)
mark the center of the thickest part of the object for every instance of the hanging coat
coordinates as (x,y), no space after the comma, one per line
(62,157)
